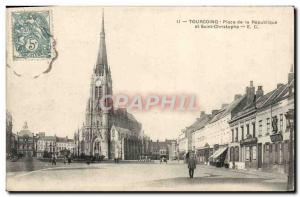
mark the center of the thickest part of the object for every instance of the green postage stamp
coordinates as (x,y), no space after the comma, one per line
(31,37)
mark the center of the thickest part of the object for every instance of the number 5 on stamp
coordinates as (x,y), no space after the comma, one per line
(31,35)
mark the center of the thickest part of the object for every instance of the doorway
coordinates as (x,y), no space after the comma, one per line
(259,149)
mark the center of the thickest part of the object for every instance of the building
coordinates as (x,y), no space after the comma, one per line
(11,140)
(99,121)
(243,128)
(125,144)
(46,145)
(163,149)
(182,147)
(146,147)
(26,142)
(202,148)
(64,146)
(273,133)
(49,145)
(260,138)
(218,132)
(172,151)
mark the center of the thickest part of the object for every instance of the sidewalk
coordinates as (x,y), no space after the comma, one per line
(257,172)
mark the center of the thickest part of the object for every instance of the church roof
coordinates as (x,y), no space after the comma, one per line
(125,132)
(122,130)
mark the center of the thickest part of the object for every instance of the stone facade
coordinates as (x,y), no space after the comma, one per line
(260,137)
(95,138)
(251,132)
(163,149)
(26,142)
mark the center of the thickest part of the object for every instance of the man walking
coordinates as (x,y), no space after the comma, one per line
(191,166)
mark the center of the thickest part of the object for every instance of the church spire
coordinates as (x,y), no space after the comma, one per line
(102,29)
(101,63)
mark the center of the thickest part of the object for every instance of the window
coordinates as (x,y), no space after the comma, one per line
(231,153)
(237,134)
(242,128)
(236,154)
(96,92)
(254,152)
(253,129)
(247,127)
(260,128)
(266,154)
(268,126)
(280,153)
(280,122)
(276,153)
(274,124)
(247,153)
(232,135)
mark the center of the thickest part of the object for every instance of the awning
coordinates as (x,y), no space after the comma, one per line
(218,153)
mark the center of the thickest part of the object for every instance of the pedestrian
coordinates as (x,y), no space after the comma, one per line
(69,160)
(53,159)
(191,166)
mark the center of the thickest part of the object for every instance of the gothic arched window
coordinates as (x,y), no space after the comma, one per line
(100,91)
(96,92)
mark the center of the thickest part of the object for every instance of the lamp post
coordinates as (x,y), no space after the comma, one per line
(290,125)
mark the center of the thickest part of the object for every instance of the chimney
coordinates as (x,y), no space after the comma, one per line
(224,105)
(250,93)
(279,85)
(202,113)
(237,96)
(214,112)
(259,91)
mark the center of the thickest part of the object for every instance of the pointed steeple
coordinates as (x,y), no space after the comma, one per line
(101,63)
(102,25)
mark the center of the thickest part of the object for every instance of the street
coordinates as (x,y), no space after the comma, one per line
(140,177)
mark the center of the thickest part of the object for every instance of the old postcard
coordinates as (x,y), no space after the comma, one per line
(150,99)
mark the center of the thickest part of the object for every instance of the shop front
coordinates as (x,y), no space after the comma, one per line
(276,154)
(249,147)
(219,158)
(203,155)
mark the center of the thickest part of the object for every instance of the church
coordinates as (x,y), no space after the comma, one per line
(112,133)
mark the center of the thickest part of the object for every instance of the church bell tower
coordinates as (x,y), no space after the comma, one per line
(97,118)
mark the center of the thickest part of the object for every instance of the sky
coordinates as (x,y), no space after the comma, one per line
(148,53)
